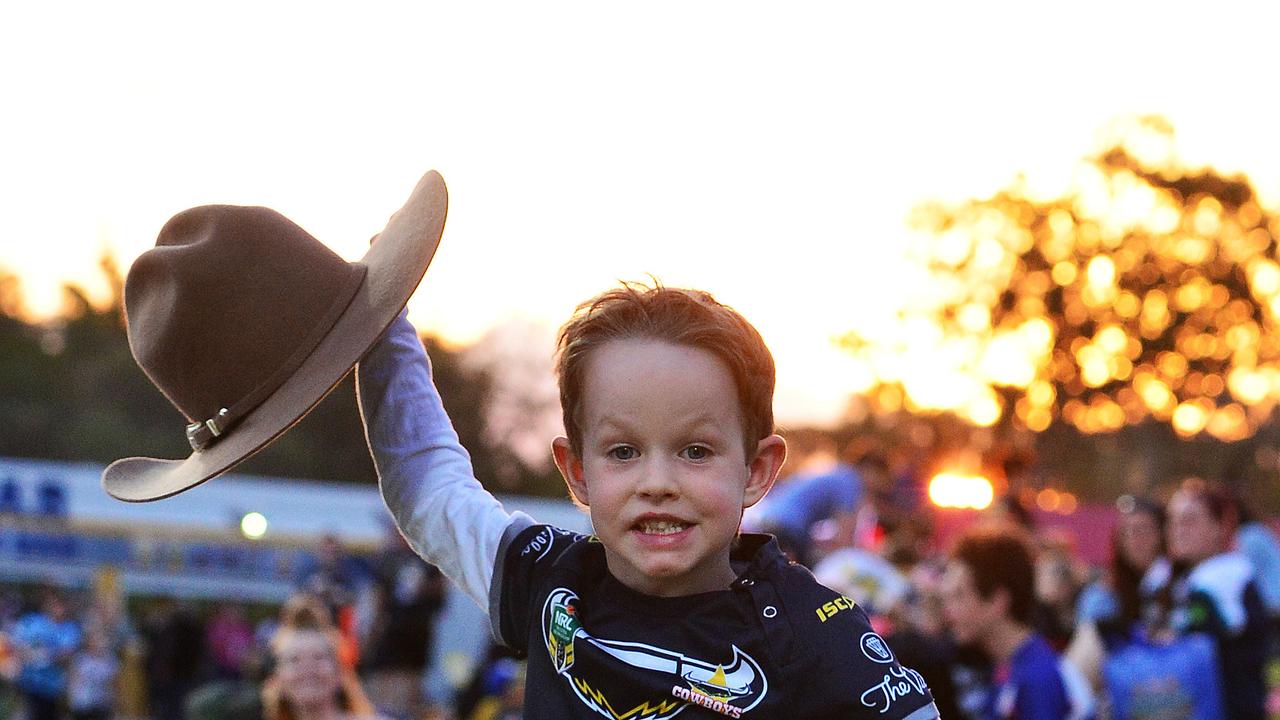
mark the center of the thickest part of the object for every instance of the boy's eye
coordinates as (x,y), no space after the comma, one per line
(622,452)
(697,452)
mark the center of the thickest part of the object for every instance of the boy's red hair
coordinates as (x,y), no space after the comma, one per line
(691,318)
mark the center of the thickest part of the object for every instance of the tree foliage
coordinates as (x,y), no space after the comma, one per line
(1149,290)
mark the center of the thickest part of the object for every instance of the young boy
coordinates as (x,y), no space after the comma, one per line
(667,401)
(988,598)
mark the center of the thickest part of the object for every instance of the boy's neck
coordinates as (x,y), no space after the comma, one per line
(1005,638)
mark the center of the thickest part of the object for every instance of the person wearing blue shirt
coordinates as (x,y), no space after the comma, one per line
(1259,544)
(45,641)
(988,598)
(804,500)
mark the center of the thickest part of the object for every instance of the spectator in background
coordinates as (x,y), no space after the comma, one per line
(1260,545)
(239,696)
(1138,570)
(503,692)
(916,630)
(1214,592)
(308,681)
(988,599)
(336,579)
(44,642)
(408,594)
(894,520)
(108,614)
(866,578)
(1113,612)
(1057,588)
(467,703)
(229,641)
(797,504)
(91,686)
(175,648)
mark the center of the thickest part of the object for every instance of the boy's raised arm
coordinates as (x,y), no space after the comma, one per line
(424,474)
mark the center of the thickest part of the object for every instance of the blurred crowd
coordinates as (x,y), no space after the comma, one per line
(1004,619)
(353,639)
(1007,619)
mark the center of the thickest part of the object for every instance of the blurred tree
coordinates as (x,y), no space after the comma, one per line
(70,390)
(27,378)
(1145,296)
(523,404)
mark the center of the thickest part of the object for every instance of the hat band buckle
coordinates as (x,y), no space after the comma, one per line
(202,434)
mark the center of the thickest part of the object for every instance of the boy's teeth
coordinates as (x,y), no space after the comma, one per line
(661,527)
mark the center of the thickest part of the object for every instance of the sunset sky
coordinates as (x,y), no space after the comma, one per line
(767,153)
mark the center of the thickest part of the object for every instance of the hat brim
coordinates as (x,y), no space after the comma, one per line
(396,264)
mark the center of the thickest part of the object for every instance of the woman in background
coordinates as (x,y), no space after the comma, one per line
(1138,571)
(1214,592)
(308,681)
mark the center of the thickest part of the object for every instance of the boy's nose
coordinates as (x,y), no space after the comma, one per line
(656,480)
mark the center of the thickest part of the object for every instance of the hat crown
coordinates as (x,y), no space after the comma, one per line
(228,303)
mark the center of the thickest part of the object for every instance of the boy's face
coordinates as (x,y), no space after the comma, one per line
(968,614)
(663,468)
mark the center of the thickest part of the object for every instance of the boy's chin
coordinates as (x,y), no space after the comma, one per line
(665,580)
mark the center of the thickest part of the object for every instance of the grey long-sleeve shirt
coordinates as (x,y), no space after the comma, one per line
(424,474)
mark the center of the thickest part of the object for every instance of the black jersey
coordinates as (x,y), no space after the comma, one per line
(776,644)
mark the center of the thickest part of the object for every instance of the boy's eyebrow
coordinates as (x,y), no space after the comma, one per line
(610,422)
(696,423)
(701,422)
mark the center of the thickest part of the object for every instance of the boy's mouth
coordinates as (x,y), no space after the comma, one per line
(654,526)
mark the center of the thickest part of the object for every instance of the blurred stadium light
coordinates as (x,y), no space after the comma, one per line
(954,490)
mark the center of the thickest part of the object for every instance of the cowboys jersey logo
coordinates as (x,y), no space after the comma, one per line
(730,688)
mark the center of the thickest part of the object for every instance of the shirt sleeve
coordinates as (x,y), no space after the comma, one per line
(527,553)
(424,474)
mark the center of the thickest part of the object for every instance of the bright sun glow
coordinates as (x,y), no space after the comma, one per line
(755,155)
(953,490)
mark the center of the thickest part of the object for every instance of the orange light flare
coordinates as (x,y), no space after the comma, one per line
(1057,501)
(958,490)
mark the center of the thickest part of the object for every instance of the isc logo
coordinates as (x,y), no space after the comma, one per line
(831,608)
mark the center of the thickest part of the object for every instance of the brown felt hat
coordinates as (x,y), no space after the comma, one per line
(245,322)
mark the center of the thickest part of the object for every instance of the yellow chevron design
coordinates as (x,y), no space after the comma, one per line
(639,712)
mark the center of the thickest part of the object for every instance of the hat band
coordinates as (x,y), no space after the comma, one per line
(205,433)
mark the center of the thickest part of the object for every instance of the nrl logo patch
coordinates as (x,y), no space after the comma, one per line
(874,647)
(560,627)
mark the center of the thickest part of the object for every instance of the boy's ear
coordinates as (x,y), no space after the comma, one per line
(764,469)
(570,466)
